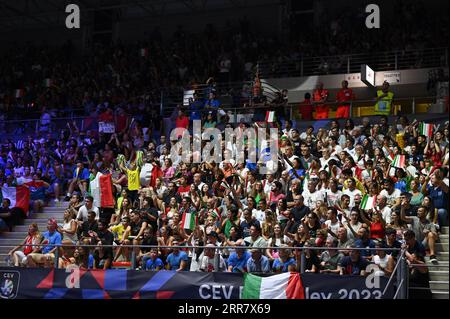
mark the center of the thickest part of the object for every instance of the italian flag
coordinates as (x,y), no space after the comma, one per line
(282,286)
(48,83)
(399,161)
(426,129)
(19,197)
(144,52)
(368,202)
(389,154)
(101,190)
(270,116)
(189,221)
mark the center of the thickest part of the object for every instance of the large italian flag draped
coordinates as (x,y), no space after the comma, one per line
(282,286)
(101,190)
(19,197)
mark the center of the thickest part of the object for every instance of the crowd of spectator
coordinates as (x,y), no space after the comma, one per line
(316,198)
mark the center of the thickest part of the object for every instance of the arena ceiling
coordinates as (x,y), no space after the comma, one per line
(26,14)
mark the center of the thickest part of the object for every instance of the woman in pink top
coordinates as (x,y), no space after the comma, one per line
(168,170)
(275,193)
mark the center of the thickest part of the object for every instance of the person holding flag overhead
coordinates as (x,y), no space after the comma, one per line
(188,215)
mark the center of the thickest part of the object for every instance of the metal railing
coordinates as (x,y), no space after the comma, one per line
(407,106)
(351,63)
(400,268)
(249,112)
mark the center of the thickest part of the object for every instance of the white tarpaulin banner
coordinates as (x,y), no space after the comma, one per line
(106,127)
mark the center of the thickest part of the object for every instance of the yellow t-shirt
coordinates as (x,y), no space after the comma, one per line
(133,180)
(119,230)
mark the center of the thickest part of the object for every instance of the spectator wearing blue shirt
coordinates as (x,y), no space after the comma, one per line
(282,263)
(401,183)
(51,238)
(177,260)
(195,107)
(80,180)
(247,222)
(438,192)
(258,262)
(364,242)
(212,103)
(153,263)
(297,171)
(37,189)
(237,262)
(354,264)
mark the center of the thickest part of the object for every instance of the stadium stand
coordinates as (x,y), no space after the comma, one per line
(86,156)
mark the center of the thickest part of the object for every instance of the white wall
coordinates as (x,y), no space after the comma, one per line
(411,82)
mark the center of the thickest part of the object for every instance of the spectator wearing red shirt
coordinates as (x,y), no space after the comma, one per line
(320,96)
(106,116)
(343,97)
(181,122)
(306,108)
(184,188)
(121,121)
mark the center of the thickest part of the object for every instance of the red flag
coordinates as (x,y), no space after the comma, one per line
(107,199)
(19,197)
(156,173)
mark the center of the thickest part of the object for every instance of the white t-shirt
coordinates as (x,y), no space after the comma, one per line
(207,264)
(377,260)
(354,227)
(83,213)
(350,151)
(310,199)
(333,198)
(259,215)
(352,194)
(391,197)
(382,262)
(324,162)
(386,214)
(336,151)
(333,227)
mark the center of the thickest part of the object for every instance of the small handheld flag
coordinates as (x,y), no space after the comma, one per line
(270,116)
(426,129)
(399,161)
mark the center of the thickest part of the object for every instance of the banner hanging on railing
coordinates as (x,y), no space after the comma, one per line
(38,283)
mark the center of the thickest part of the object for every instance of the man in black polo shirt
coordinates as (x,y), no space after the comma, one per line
(299,210)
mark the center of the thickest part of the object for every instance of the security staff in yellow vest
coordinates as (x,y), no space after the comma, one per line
(384,100)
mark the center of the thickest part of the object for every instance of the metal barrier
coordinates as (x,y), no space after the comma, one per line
(351,63)
(16,128)
(400,106)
